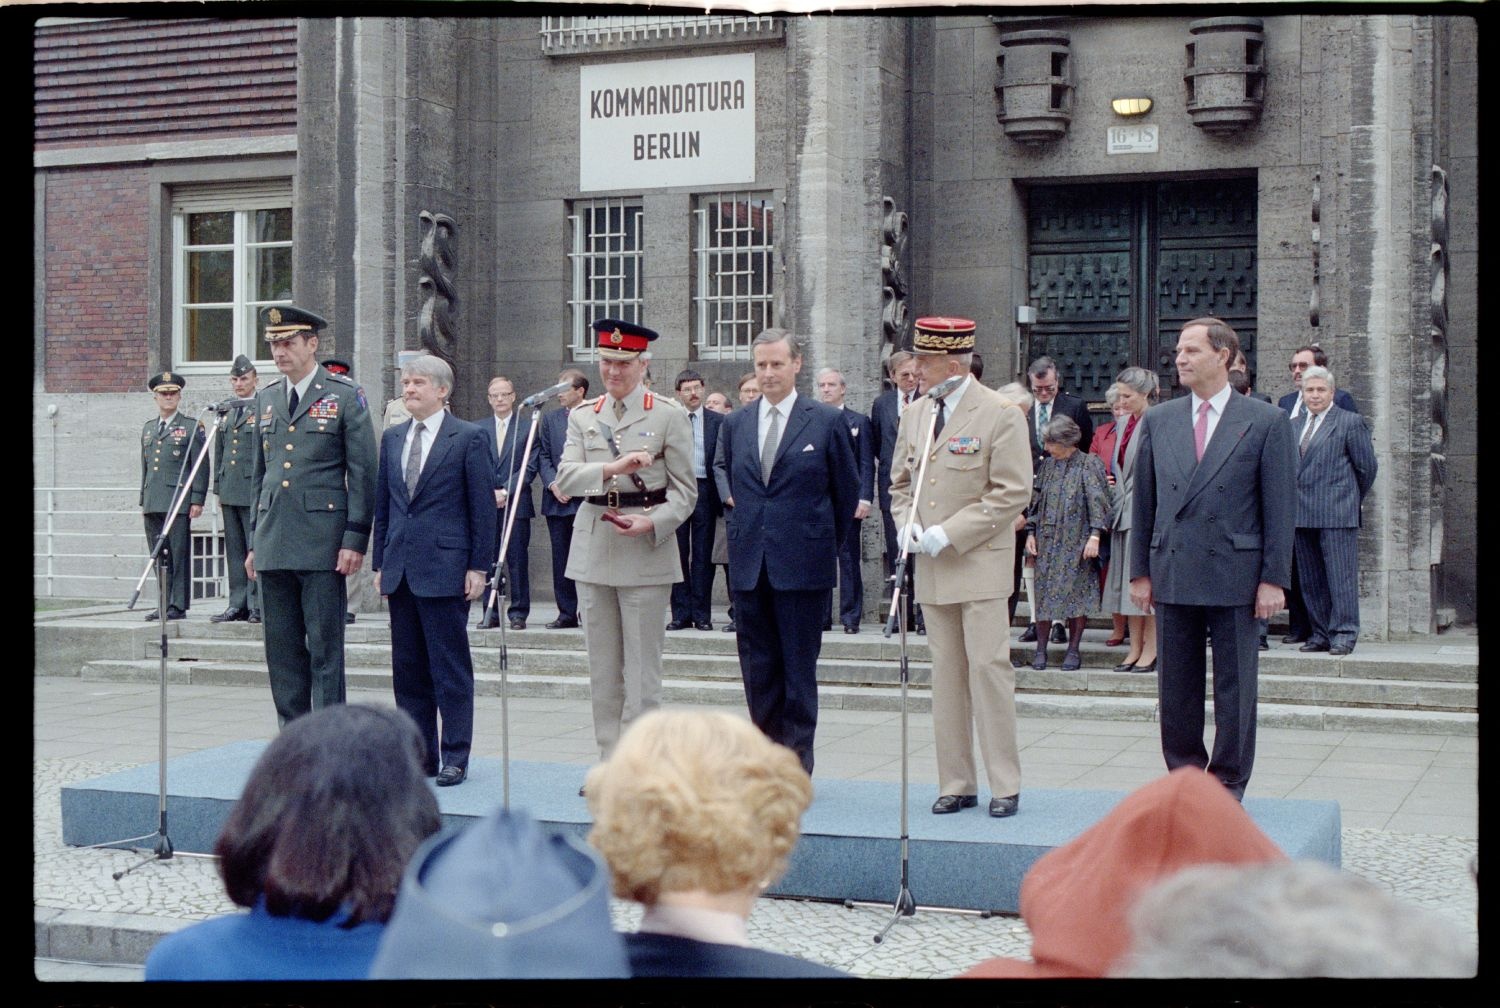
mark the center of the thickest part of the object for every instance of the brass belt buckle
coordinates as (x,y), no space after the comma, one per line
(612,498)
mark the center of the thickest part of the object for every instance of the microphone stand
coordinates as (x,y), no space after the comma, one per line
(161,850)
(497,593)
(901,588)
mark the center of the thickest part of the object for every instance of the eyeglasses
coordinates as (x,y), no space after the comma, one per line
(1298,366)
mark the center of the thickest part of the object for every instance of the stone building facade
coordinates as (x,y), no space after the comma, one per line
(1309,177)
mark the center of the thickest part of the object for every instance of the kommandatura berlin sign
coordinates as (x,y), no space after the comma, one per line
(664,123)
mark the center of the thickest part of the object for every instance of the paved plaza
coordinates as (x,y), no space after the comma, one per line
(1409,810)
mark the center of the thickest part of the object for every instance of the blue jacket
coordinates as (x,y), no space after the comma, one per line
(432,537)
(259,946)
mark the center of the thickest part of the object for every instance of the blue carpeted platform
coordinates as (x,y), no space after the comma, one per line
(850,846)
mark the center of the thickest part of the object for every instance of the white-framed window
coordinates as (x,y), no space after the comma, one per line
(733,296)
(608,251)
(570,33)
(231,256)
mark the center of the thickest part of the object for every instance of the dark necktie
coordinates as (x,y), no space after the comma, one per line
(942,418)
(1307,433)
(291,407)
(414,460)
(161,429)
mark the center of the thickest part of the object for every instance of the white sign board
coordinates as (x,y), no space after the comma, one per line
(1131,140)
(662,123)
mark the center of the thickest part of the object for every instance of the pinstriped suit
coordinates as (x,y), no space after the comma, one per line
(1334,474)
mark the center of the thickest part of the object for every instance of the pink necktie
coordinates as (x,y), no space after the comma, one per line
(1200,431)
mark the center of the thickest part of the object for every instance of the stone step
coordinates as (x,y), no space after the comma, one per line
(1284,701)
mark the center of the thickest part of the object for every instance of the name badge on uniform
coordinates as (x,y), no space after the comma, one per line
(963,446)
(326,408)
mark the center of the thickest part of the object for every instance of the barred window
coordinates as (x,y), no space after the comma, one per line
(565,34)
(735,264)
(608,250)
(231,256)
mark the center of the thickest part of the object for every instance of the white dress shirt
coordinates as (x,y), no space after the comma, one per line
(429,435)
(1216,405)
(784,408)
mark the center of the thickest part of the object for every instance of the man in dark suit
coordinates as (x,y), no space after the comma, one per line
(1048,401)
(234,482)
(1336,469)
(513,476)
(315,472)
(433,521)
(793,487)
(557,507)
(693,595)
(1299,624)
(885,418)
(831,388)
(1215,485)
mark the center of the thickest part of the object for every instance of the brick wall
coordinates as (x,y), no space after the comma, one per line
(96,280)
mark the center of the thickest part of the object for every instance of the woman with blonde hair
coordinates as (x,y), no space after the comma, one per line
(697,814)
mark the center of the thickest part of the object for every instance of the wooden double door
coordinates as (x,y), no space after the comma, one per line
(1116,269)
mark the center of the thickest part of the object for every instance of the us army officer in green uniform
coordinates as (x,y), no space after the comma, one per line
(234,480)
(316,472)
(629,455)
(170,444)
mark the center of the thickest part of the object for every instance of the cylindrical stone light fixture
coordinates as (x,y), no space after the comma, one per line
(1226,73)
(1035,92)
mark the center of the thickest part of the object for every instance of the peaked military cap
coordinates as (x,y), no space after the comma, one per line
(941,334)
(335,366)
(621,340)
(282,322)
(167,381)
(242,366)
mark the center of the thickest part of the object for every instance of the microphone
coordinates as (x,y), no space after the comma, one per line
(942,388)
(548,393)
(228,404)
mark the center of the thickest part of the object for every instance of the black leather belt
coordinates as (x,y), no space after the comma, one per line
(645,498)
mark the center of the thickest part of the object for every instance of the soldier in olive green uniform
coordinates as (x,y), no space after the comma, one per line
(316,471)
(169,445)
(234,481)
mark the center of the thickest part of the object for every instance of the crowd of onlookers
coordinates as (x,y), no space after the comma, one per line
(336,853)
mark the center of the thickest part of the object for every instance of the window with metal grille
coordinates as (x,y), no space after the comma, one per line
(563,34)
(231,255)
(735,262)
(607,255)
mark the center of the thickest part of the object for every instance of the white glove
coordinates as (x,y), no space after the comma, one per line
(933,541)
(914,537)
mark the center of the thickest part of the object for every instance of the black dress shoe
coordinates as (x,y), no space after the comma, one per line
(580,791)
(1292,638)
(1000,808)
(1072,661)
(254,616)
(1147,668)
(1339,649)
(1028,636)
(1039,660)
(518,624)
(348,618)
(175,613)
(678,624)
(1059,634)
(451,775)
(954,803)
(705,625)
(1263,645)
(1125,667)
(828,626)
(1313,646)
(563,624)
(728,627)
(153,615)
(851,628)
(489,622)
(230,615)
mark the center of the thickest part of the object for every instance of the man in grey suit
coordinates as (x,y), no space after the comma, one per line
(1215,503)
(1335,471)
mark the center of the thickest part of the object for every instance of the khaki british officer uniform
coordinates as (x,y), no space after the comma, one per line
(624,582)
(169,447)
(234,481)
(978,479)
(316,468)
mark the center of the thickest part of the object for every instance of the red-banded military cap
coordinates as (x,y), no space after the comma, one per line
(942,334)
(282,322)
(621,340)
(335,366)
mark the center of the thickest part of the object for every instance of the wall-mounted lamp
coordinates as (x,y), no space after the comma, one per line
(1130,106)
